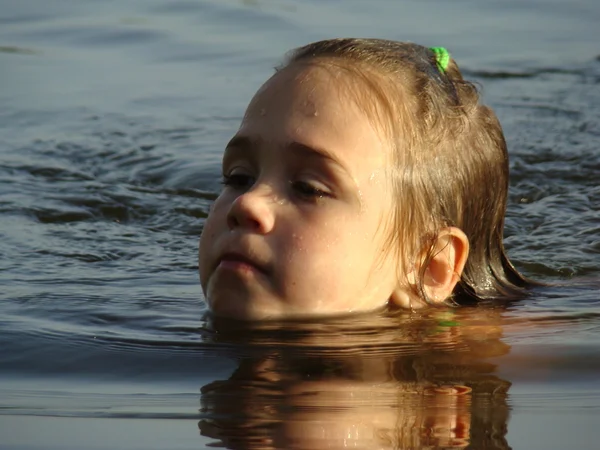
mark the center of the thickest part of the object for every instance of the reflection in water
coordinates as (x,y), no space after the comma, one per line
(398,383)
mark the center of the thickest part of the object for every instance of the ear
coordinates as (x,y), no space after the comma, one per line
(449,256)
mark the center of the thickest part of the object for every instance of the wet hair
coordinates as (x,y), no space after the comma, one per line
(450,162)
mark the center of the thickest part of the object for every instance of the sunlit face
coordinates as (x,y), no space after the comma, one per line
(299,228)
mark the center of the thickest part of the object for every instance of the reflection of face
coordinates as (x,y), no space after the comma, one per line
(272,408)
(297,229)
(342,414)
(424,383)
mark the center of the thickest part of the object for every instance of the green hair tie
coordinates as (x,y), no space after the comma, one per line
(442,57)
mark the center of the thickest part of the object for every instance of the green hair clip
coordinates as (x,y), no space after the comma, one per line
(442,57)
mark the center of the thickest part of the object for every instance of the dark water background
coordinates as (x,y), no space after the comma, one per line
(112,119)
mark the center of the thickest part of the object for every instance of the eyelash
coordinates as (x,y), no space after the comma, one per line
(306,191)
(302,189)
(237,181)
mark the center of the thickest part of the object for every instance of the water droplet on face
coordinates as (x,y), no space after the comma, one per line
(360,200)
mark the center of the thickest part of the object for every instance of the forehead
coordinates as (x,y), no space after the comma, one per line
(315,105)
(311,90)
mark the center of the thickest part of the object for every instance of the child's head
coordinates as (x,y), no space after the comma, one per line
(361,174)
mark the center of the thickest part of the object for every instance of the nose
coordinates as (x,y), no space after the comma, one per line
(253,210)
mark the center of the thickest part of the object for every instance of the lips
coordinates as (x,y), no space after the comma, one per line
(240,262)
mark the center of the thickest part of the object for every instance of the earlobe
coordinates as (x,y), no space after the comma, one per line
(447,262)
(405,295)
(402,298)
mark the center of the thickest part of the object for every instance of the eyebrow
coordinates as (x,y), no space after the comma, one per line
(247,143)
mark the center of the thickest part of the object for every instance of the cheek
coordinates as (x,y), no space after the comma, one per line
(214,223)
(327,248)
(217,215)
(207,235)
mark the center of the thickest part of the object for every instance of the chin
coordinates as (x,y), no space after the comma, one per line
(242,309)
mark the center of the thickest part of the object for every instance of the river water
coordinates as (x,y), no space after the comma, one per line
(113,116)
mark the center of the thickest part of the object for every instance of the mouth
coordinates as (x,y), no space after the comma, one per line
(240,263)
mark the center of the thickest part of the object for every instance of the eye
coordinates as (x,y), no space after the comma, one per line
(309,191)
(238,180)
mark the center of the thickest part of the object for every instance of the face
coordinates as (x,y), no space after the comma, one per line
(299,227)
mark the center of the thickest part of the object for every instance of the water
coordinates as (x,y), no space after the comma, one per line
(112,119)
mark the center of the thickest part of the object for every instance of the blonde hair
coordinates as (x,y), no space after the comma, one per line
(450,163)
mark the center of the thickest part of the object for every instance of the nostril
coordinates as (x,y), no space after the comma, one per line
(237,218)
(232,221)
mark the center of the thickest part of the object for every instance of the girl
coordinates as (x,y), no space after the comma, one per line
(365,173)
